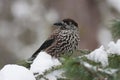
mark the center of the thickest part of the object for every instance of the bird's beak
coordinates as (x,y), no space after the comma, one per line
(58,24)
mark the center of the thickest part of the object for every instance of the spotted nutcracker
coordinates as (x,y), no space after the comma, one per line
(64,39)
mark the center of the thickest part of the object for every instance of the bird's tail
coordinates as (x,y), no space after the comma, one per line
(30,60)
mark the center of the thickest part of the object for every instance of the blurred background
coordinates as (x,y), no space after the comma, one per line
(25,24)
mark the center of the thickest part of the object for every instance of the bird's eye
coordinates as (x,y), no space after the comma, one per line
(58,24)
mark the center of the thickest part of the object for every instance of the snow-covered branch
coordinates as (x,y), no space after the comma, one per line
(102,63)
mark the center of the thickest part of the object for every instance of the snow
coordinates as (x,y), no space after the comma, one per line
(54,75)
(43,62)
(109,71)
(15,72)
(99,55)
(118,46)
(95,68)
(1,76)
(114,48)
(87,65)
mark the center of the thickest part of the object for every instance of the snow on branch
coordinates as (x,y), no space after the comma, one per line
(99,55)
(43,62)
(15,72)
(45,67)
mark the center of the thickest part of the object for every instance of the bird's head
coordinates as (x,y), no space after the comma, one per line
(68,24)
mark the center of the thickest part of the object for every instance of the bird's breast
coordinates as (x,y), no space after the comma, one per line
(66,41)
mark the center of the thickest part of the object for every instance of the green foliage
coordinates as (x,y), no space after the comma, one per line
(114,61)
(115,29)
(76,71)
(90,62)
(117,76)
(75,68)
(24,63)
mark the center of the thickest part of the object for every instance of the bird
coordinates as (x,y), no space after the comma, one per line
(63,40)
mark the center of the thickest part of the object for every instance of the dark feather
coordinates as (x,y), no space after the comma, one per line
(45,45)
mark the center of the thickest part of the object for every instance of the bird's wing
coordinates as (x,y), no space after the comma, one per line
(45,45)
